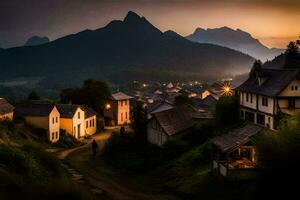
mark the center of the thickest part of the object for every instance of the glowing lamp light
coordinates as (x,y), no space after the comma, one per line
(226,90)
(107,106)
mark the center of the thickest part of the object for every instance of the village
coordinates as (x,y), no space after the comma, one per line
(264,98)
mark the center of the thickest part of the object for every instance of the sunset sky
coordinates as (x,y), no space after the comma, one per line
(274,23)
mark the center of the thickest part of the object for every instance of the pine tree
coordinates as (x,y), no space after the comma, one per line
(292,59)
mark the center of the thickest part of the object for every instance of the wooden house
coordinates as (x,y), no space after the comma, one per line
(72,119)
(171,123)
(158,106)
(235,156)
(6,110)
(269,94)
(117,111)
(43,116)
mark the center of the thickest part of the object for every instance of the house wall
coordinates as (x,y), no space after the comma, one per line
(7,116)
(90,125)
(78,120)
(123,112)
(38,121)
(155,133)
(67,125)
(288,92)
(266,109)
(205,94)
(249,103)
(54,125)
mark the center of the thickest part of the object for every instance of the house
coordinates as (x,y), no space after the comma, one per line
(235,155)
(158,106)
(268,95)
(72,119)
(172,123)
(206,103)
(117,111)
(6,110)
(43,116)
(90,117)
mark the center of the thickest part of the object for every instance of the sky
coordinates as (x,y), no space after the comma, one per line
(273,22)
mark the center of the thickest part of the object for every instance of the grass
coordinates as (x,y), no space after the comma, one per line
(27,171)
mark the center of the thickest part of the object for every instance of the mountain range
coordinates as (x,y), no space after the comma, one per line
(235,39)
(122,51)
(36,40)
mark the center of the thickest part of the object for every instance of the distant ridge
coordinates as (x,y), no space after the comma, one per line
(120,52)
(235,39)
(36,40)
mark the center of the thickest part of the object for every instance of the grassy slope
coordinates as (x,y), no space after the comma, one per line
(27,171)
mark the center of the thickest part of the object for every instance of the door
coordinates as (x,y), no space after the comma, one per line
(78,131)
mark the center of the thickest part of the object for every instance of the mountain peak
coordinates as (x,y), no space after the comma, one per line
(36,40)
(131,16)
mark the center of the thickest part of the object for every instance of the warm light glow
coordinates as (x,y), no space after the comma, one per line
(107,106)
(226,90)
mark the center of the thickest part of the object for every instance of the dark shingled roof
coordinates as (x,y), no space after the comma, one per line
(120,96)
(230,141)
(88,112)
(157,104)
(33,110)
(175,120)
(276,81)
(67,110)
(5,107)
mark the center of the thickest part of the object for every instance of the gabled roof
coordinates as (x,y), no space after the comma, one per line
(33,110)
(120,96)
(88,111)
(157,104)
(5,107)
(175,120)
(67,110)
(276,80)
(207,101)
(237,137)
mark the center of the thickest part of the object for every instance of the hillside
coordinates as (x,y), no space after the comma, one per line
(27,171)
(235,39)
(132,49)
(36,40)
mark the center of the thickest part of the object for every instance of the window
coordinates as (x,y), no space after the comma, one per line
(78,115)
(121,117)
(125,102)
(52,136)
(251,97)
(291,103)
(261,119)
(93,123)
(265,101)
(90,123)
(125,115)
(292,88)
(74,130)
(296,87)
(56,119)
(87,124)
(56,134)
(121,103)
(52,120)
(247,97)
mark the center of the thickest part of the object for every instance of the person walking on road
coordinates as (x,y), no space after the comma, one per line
(94,148)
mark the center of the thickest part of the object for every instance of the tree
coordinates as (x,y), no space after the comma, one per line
(139,123)
(93,93)
(278,157)
(227,110)
(184,100)
(292,58)
(256,68)
(33,96)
